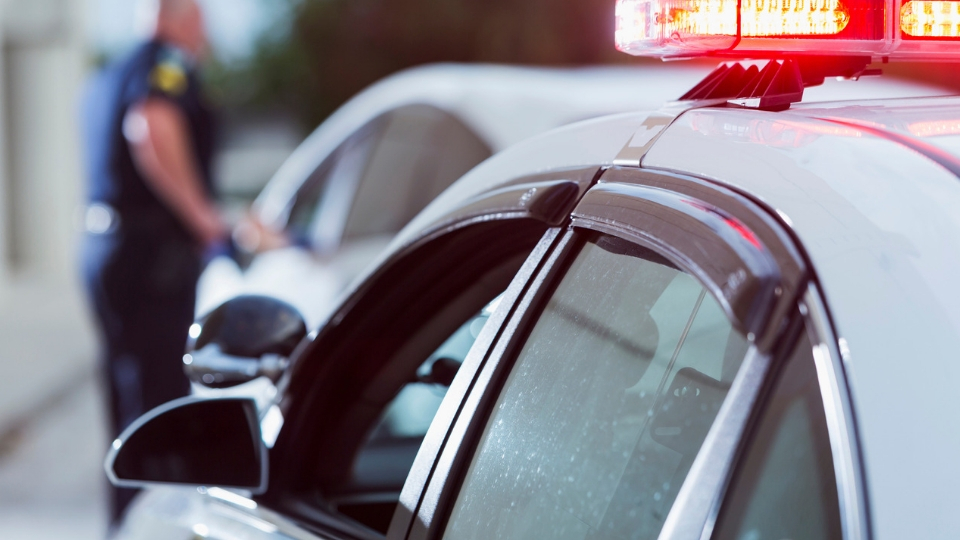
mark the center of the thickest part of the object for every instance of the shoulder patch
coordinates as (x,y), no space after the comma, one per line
(169,78)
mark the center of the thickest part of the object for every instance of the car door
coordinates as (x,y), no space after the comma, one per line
(627,391)
(362,392)
(361,400)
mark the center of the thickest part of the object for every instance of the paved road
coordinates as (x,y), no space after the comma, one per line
(51,475)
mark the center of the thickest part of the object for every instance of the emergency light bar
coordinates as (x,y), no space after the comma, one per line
(770,28)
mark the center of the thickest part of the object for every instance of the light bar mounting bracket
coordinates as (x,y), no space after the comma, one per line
(773,84)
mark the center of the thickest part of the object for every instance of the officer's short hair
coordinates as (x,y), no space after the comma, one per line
(148,11)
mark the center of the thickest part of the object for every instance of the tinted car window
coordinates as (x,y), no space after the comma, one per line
(606,406)
(362,419)
(786,487)
(422,151)
(343,166)
(391,446)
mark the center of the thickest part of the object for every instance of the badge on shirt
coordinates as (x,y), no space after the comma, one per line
(170,78)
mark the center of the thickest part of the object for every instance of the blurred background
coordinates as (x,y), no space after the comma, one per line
(280,67)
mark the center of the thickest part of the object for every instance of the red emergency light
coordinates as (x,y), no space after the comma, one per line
(765,28)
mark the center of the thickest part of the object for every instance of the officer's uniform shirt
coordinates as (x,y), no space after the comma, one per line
(152,70)
(140,262)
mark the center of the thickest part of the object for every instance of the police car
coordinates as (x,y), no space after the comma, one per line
(733,317)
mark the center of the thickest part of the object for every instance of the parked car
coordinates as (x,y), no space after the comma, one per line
(379,159)
(733,317)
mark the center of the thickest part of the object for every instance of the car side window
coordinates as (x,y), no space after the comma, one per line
(387,454)
(421,152)
(786,487)
(343,166)
(388,363)
(606,406)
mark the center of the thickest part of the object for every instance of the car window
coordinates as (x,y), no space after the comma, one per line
(786,487)
(392,444)
(606,406)
(343,166)
(386,366)
(422,151)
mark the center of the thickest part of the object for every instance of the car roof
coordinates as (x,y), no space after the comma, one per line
(501,104)
(880,221)
(507,104)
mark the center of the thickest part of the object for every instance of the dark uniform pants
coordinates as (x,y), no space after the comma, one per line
(142,287)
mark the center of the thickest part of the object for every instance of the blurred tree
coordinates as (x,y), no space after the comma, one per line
(334,48)
(329,50)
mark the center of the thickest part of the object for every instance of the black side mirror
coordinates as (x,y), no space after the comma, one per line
(192,441)
(245,338)
(442,372)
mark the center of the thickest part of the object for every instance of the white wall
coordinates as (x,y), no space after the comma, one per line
(45,334)
(43,159)
(43,69)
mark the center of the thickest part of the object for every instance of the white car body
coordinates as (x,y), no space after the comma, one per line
(870,190)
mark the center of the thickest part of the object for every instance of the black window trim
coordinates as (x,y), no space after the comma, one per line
(603,214)
(783,263)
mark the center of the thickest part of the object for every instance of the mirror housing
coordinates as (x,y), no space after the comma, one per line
(442,372)
(194,442)
(246,337)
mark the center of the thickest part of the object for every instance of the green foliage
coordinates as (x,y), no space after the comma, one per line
(335,48)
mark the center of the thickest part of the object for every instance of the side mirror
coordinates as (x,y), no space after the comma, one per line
(245,338)
(192,441)
(442,372)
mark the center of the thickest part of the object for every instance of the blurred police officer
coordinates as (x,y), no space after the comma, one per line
(149,141)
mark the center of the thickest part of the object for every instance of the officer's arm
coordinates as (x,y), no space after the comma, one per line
(157,133)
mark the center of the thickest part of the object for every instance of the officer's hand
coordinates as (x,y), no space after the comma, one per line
(252,236)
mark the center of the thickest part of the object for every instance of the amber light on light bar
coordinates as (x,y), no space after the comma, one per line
(792,17)
(931,19)
(888,29)
(759,18)
(713,23)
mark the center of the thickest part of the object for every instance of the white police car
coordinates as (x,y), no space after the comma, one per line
(733,318)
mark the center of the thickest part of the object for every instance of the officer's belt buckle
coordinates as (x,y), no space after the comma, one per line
(101,218)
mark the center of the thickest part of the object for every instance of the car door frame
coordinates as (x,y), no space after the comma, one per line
(611,208)
(546,198)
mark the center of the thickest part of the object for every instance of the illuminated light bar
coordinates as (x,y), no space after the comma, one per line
(930,19)
(698,24)
(888,29)
(701,17)
(792,17)
(665,25)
